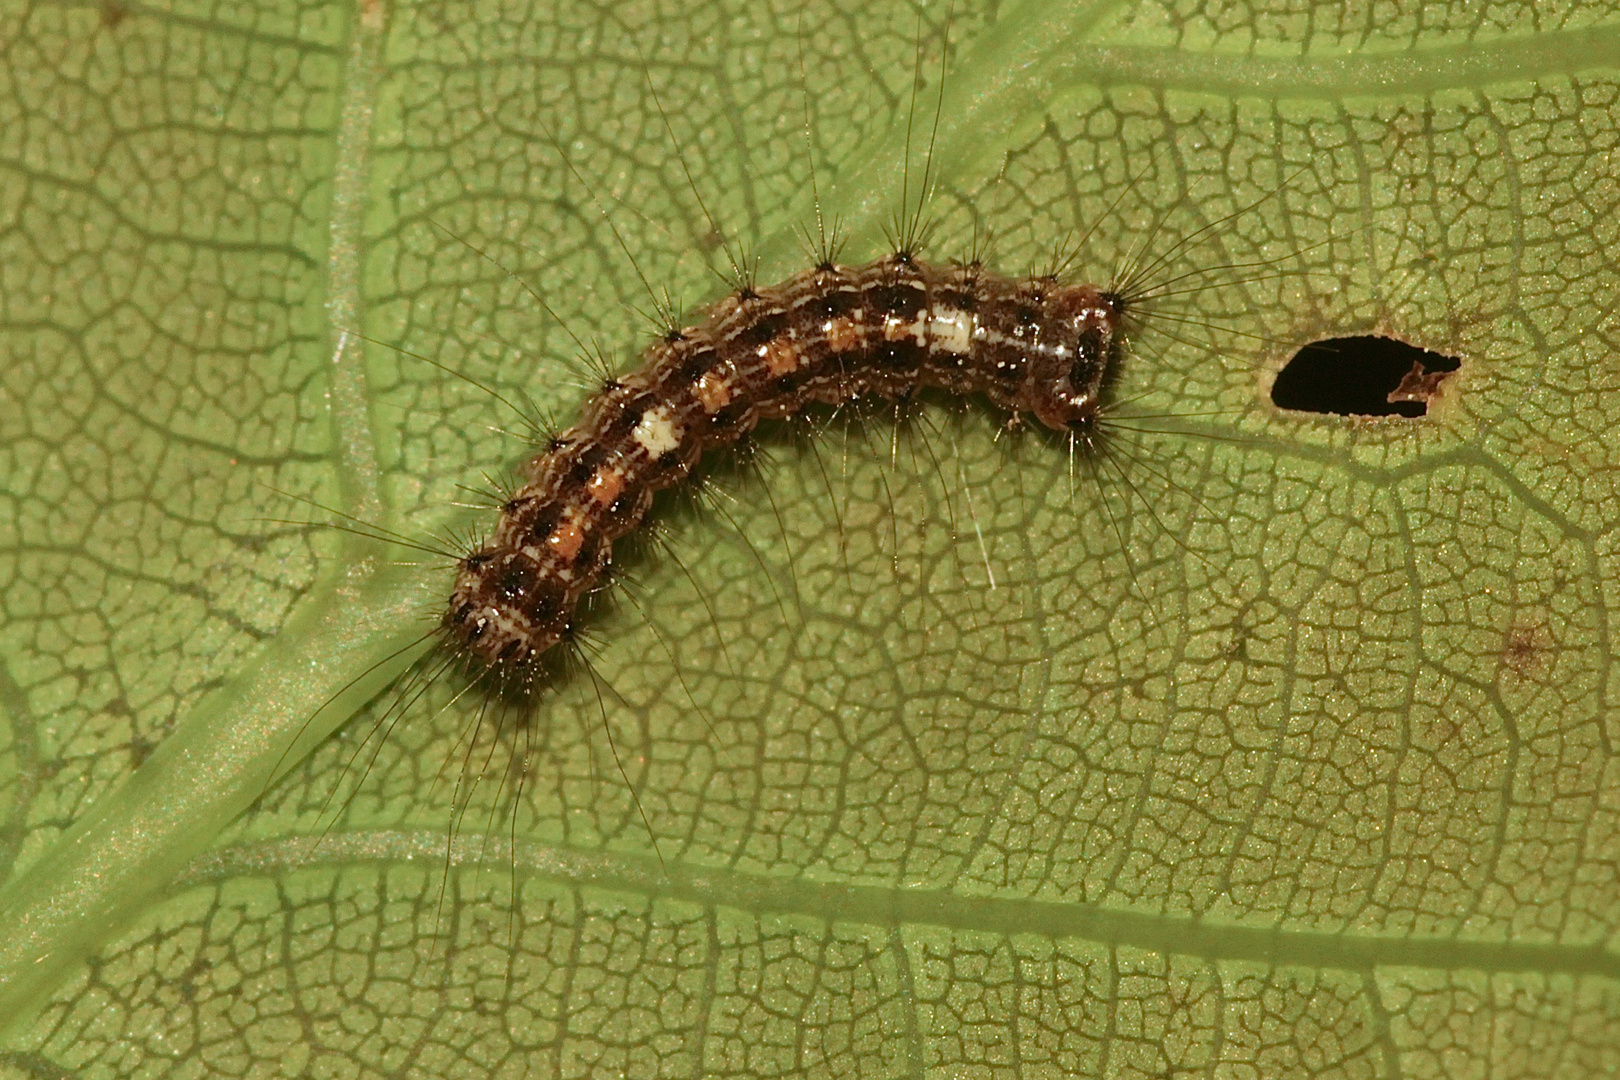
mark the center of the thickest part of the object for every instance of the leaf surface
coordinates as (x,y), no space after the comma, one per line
(1262,744)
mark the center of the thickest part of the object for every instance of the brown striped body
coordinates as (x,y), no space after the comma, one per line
(827,335)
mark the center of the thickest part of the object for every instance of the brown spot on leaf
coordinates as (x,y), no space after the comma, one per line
(1527,652)
(1442,731)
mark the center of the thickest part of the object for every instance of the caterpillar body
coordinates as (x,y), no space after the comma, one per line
(830,334)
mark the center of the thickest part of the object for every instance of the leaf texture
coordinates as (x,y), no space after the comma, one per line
(1264,744)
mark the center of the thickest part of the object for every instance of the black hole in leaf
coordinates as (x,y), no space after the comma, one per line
(1362,376)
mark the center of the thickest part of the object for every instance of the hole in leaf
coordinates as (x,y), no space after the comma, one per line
(1363,375)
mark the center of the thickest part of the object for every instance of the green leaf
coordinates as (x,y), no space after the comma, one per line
(1267,744)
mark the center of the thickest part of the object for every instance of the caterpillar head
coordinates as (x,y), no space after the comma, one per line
(1071,355)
